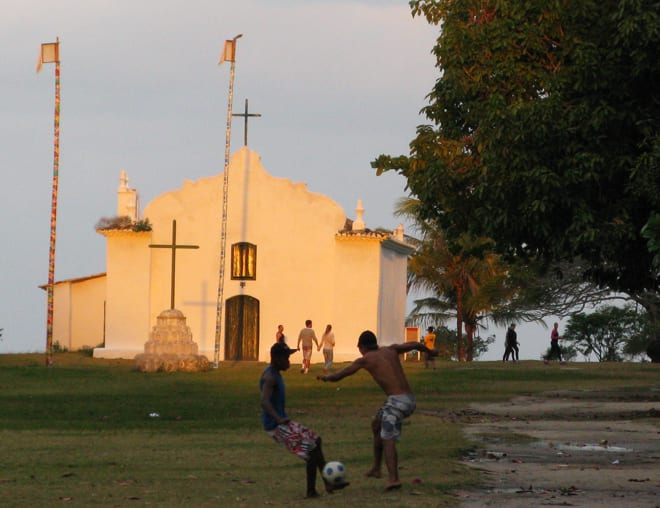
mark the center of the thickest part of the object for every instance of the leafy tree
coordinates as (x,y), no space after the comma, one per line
(462,276)
(568,352)
(638,343)
(428,311)
(447,346)
(605,332)
(652,234)
(481,344)
(544,134)
(492,290)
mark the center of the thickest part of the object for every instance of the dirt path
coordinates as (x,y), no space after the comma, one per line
(586,449)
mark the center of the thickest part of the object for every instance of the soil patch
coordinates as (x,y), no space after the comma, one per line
(569,448)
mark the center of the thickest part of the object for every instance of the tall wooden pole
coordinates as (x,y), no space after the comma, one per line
(53,57)
(229,54)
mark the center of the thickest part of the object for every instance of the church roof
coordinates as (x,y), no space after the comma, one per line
(75,280)
(348,231)
(387,238)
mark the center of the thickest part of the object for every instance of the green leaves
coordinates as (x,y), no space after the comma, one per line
(543,131)
(606,332)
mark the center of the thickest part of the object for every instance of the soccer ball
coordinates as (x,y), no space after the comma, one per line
(334,472)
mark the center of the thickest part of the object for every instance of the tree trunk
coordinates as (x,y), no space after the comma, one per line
(469,332)
(460,351)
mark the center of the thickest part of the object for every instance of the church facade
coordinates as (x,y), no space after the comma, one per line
(290,255)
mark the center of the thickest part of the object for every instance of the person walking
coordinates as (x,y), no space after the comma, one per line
(296,438)
(429,341)
(328,344)
(307,337)
(511,344)
(279,334)
(384,365)
(555,350)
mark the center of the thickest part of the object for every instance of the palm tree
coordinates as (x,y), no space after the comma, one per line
(455,272)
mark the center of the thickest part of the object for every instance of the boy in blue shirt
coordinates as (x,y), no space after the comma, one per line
(298,439)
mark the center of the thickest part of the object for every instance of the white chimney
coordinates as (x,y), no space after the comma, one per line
(127,199)
(358,223)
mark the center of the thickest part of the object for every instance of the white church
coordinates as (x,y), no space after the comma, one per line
(290,255)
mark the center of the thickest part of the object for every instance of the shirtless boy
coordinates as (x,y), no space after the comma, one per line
(385,368)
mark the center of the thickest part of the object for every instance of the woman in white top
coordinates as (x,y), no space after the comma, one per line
(328,344)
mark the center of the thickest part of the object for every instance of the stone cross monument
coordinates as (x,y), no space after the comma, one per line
(170,346)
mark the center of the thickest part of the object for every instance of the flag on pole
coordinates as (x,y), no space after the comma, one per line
(50,52)
(228,52)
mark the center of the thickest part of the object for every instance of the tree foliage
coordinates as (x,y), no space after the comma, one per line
(466,281)
(544,133)
(464,277)
(652,234)
(447,346)
(568,352)
(606,332)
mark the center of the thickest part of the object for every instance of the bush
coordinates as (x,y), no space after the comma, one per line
(122,223)
(86,351)
(58,348)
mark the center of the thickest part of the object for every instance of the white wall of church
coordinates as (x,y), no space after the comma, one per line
(78,315)
(293,229)
(356,298)
(62,333)
(304,271)
(127,295)
(87,313)
(392,311)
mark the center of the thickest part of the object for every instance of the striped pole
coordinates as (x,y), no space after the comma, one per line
(229,54)
(50,53)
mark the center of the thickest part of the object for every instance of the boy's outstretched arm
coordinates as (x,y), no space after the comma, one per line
(347,371)
(406,347)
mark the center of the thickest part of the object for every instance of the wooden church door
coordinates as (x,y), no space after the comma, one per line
(242,328)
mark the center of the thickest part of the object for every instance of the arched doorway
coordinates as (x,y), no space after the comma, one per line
(242,328)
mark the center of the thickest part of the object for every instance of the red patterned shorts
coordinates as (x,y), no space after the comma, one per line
(297,438)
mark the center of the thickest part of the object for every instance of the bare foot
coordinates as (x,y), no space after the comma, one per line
(373,473)
(330,488)
(393,486)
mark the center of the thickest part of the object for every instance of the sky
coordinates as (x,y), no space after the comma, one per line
(337,82)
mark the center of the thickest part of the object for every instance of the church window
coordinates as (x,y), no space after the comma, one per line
(243,261)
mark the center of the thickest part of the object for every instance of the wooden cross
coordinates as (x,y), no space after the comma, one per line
(173,246)
(245,115)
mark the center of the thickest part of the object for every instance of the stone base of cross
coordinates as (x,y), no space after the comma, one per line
(170,347)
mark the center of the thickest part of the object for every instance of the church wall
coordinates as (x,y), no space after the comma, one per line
(196,207)
(304,271)
(127,294)
(62,314)
(356,300)
(392,311)
(292,228)
(78,312)
(87,313)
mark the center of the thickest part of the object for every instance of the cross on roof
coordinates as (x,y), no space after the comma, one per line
(245,115)
(173,246)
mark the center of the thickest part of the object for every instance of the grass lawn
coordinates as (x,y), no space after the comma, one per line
(91,432)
